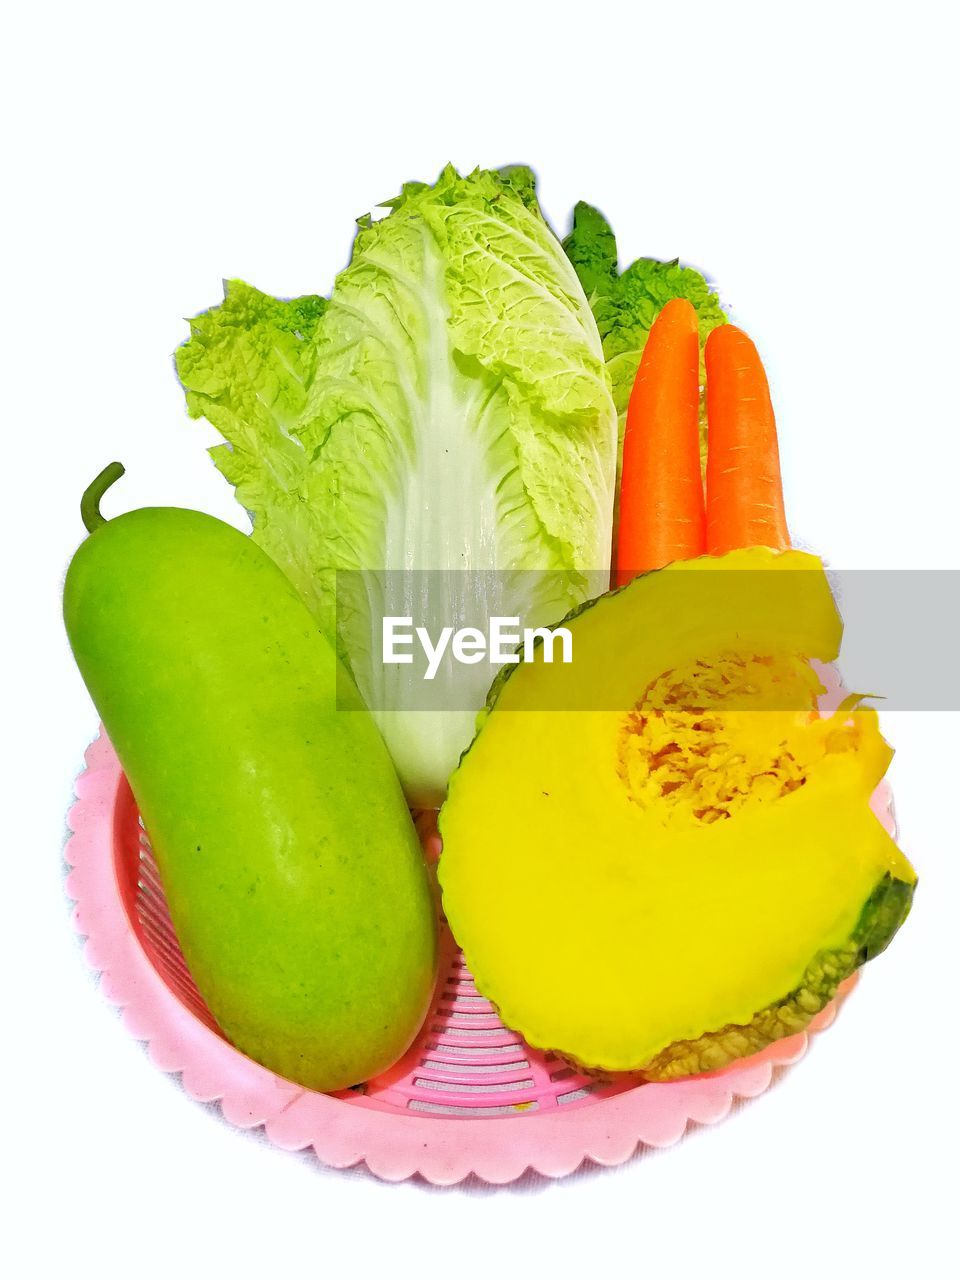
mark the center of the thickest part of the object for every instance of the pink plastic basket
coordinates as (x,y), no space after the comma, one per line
(468,1098)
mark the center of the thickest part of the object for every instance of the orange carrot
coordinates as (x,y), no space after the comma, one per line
(661,490)
(744,490)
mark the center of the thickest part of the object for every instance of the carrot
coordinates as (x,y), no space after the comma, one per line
(744,490)
(661,489)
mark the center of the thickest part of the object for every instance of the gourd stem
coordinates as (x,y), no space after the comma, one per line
(90,502)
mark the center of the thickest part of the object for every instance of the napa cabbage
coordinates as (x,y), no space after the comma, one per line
(436,439)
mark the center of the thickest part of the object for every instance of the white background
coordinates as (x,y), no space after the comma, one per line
(806,157)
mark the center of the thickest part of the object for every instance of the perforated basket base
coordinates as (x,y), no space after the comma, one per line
(469,1098)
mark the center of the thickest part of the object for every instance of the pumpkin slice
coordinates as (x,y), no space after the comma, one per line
(660,857)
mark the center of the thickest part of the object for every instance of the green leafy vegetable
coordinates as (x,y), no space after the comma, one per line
(247,369)
(447,409)
(626,303)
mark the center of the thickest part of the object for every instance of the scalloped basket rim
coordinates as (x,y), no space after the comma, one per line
(442,1149)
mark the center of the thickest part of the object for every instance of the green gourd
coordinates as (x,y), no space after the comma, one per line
(292,869)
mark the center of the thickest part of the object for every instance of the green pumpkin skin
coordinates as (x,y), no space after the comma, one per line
(293,873)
